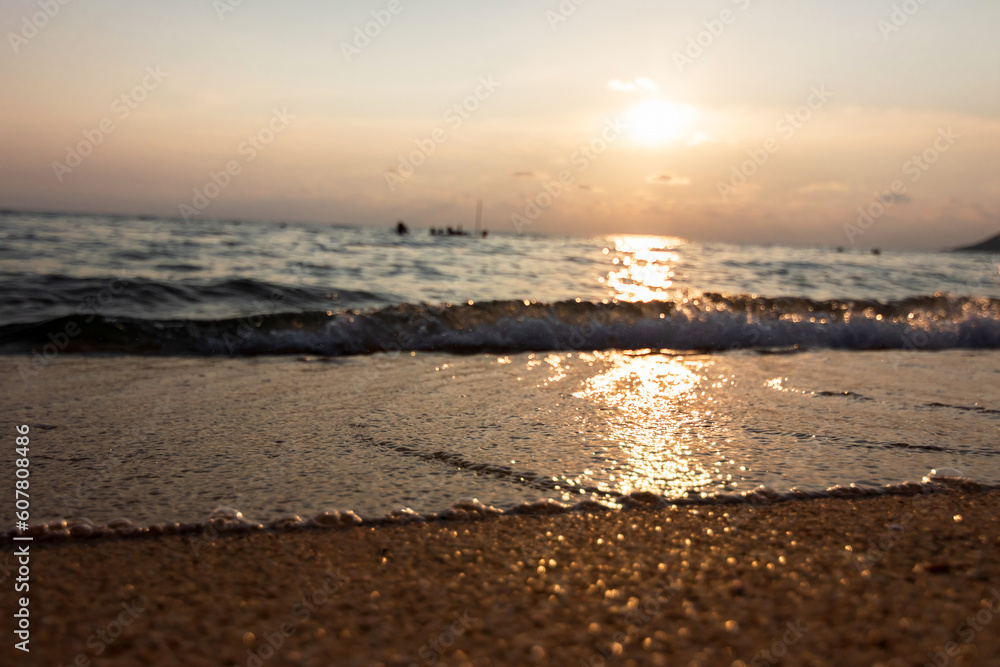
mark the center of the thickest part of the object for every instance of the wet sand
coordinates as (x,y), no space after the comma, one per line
(158,439)
(796,583)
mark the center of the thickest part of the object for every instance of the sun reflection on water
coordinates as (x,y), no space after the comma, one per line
(645,272)
(653,398)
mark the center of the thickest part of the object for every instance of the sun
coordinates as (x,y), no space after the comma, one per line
(660,123)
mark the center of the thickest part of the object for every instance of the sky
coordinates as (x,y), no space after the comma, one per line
(858,123)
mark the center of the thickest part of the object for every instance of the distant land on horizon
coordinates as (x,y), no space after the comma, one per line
(991,244)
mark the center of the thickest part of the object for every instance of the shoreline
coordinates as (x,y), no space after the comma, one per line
(230,522)
(890,580)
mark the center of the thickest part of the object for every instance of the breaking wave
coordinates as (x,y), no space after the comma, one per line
(711,322)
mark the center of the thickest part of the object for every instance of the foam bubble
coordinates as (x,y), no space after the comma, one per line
(335,519)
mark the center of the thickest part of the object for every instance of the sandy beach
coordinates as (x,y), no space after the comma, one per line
(879,581)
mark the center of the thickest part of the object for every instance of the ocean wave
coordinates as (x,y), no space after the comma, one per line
(708,323)
(61,295)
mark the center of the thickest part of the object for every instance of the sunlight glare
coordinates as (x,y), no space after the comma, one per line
(646,269)
(652,420)
(659,123)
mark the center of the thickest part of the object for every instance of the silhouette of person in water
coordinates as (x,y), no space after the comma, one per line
(401,228)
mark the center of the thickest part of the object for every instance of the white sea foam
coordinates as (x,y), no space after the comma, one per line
(228,521)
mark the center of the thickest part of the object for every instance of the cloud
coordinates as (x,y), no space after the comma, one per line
(823,187)
(528,174)
(637,84)
(663,178)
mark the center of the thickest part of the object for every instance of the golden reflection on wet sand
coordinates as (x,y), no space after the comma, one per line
(653,401)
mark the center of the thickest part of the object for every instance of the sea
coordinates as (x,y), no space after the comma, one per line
(350,374)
